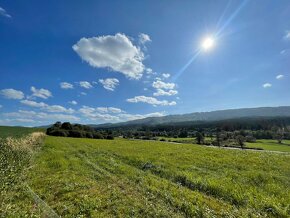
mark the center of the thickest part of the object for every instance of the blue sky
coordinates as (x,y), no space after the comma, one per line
(112,61)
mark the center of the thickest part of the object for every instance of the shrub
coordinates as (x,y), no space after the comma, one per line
(97,135)
(89,135)
(59,132)
(66,126)
(76,134)
(110,137)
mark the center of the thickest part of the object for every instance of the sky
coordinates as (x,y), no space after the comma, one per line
(97,62)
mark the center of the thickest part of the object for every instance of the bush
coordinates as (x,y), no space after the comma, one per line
(59,132)
(110,137)
(76,134)
(66,126)
(89,135)
(97,135)
(66,129)
(250,139)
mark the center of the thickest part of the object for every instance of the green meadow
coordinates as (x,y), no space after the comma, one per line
(73,177)
(17,132)
(271,145)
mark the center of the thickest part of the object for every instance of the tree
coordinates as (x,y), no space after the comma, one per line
(199,138)
(57,124)
(66,126)
(218,137)
(183,134)
(240,141)
(278,134)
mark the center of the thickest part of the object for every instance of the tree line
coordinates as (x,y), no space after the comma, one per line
(67,129)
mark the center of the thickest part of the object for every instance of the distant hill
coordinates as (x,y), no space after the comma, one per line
(283,111)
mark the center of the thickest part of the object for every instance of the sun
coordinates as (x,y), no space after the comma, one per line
(207,43)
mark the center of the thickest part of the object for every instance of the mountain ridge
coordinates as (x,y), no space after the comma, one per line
(280,111)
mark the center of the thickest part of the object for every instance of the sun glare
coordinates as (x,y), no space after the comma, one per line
(207,43)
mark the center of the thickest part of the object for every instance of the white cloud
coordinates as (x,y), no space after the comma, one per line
(4,13)
(85,84)
(1,106)
(11,94)
(149,71)
(108,110)
(143,38)
(66,85)
(150,100)
(127,117)
(41,116)
(94,114)
(161,92)
(267,85)
(280,76)
(116,52)
(166,75)
(83,93)
(287,35)
(58,109)
(46,107)
(158,84)
(40,93)
(33,103)
(109,83)
(111,114)
(73,102)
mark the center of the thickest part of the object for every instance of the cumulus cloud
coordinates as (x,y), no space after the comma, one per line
(166,75)
(113,114)
(94,114)
(46,107)
(4,13)
(109,83)
(143,38)
(158,84)
(66,85)
(41,116)
(40,93)
(58,108)
(280,76)
(116,52)
(85,84)
(33,103)
(150,100)
(161,92)
(11,94)
(73,102)
(267,85)
(127,117)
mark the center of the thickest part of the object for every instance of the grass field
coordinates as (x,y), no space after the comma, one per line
(265,144)
(122,178)
(17,132)
(72,177)
(271,145)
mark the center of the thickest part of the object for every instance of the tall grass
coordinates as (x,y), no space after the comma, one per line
(15,157)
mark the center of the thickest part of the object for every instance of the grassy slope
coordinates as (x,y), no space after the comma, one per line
(103,178)
(17,132)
